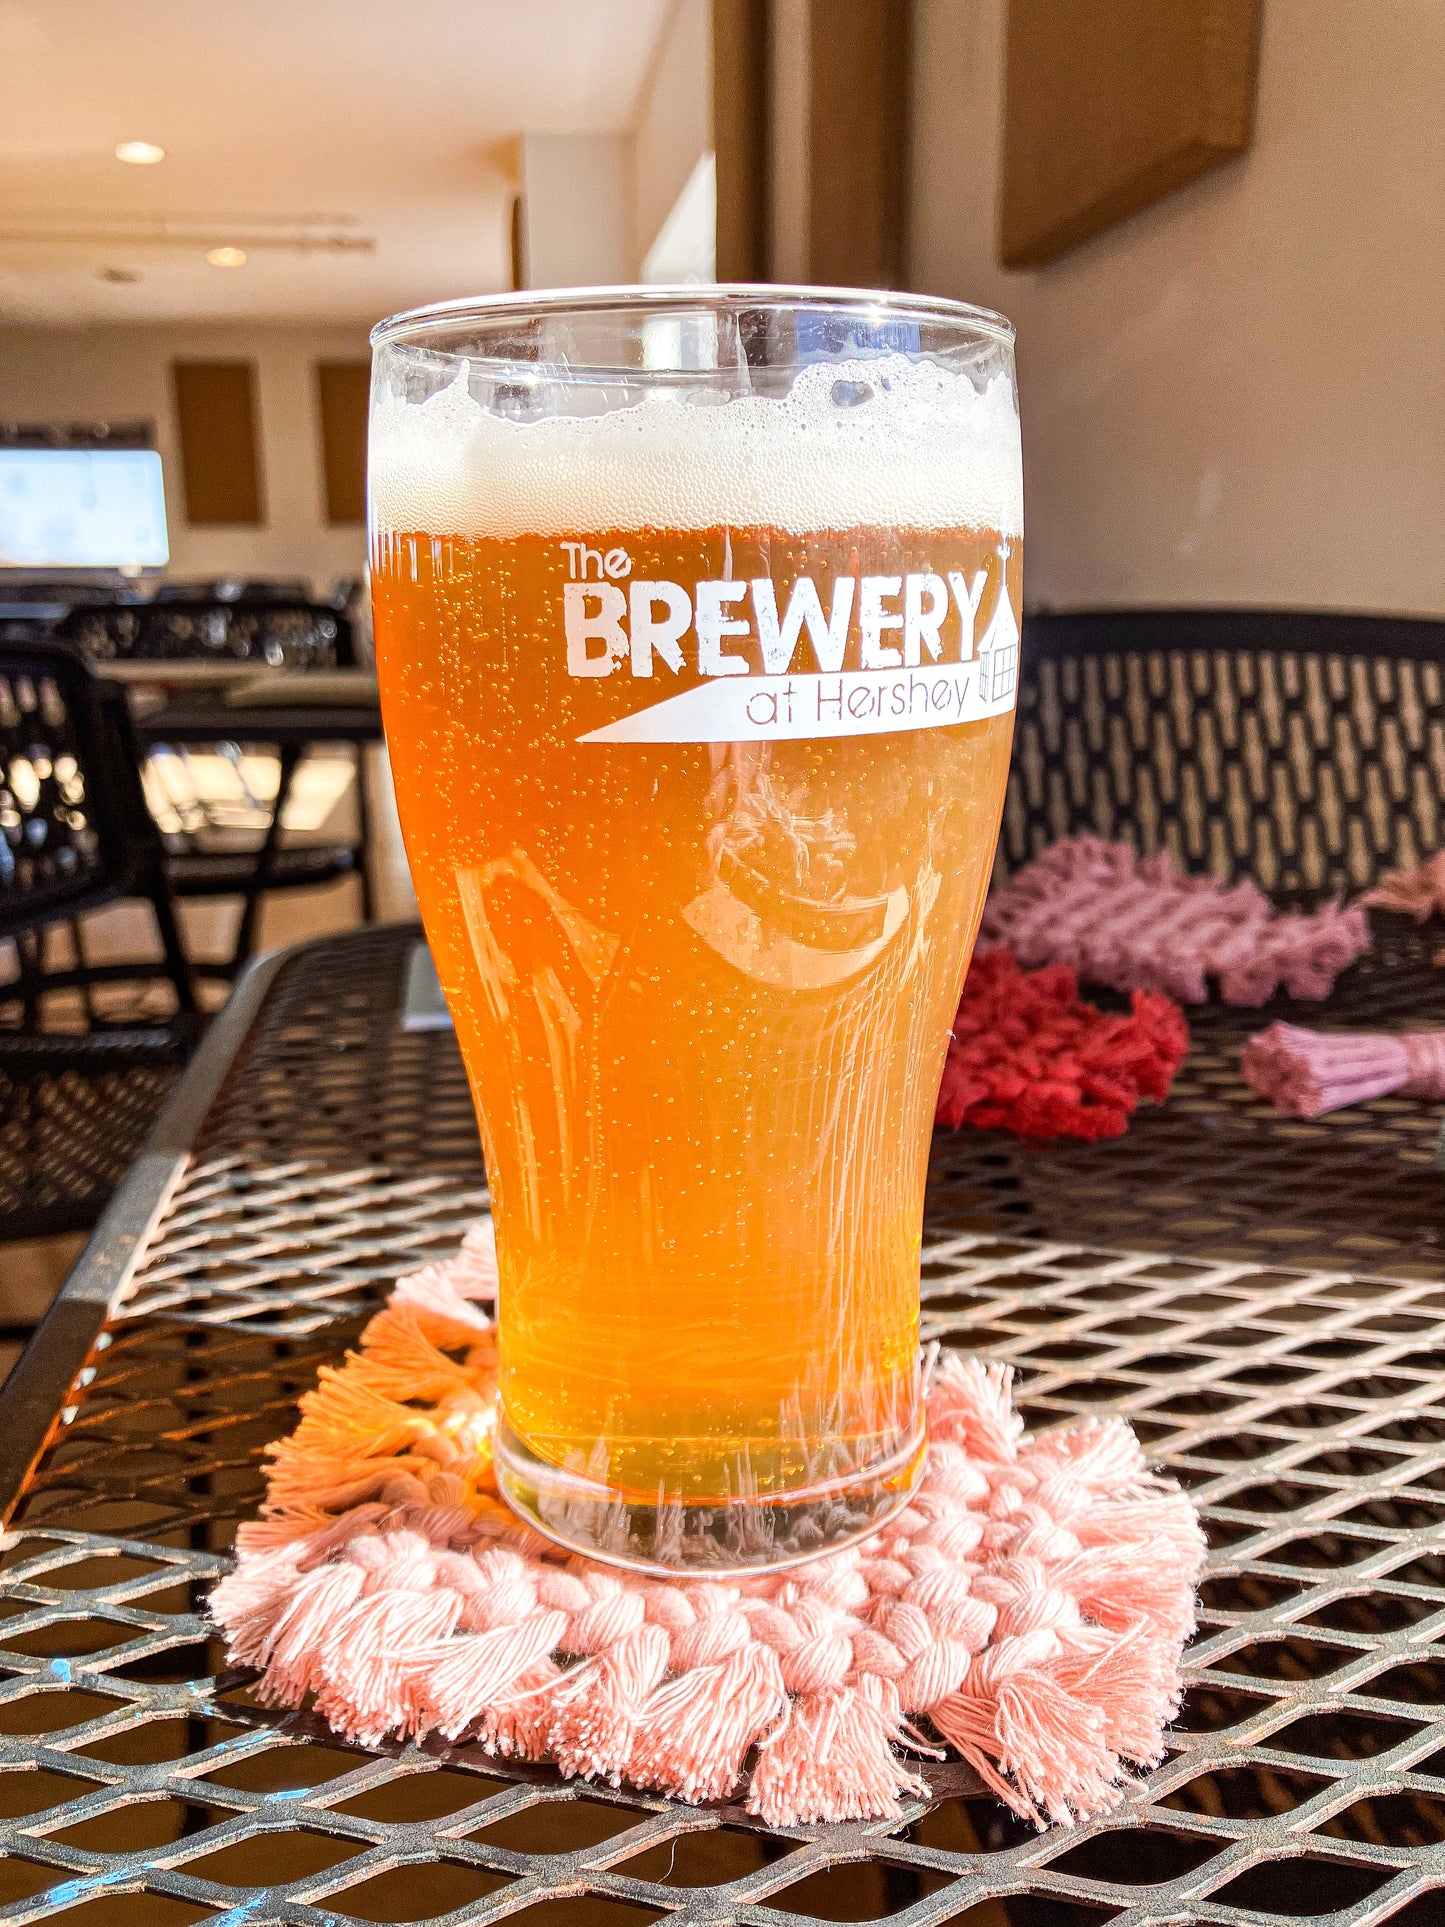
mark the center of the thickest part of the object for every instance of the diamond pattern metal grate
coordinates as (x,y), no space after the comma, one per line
(1304,1408)
(67,1135)
(1217,1172)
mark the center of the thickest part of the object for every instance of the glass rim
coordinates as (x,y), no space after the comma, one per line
(414,326)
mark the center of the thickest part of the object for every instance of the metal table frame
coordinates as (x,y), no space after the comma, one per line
(292,729)
(1305,1409)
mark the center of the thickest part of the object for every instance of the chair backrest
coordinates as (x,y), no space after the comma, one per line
(26,622)
(74,828)
(1305,751)
(269,633)
(235,588)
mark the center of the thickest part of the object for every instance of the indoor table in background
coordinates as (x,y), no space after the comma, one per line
(317,1148)
(289,710)
(211,702)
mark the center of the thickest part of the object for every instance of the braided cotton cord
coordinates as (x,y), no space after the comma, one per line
(1425,1056)
(1030,1603)
(1133,923)
(1309,1072)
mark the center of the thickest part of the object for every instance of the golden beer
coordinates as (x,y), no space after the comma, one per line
(700,812)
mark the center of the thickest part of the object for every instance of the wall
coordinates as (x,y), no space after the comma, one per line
(593,205)
(1239,395)
(577,210)
(123,374)
(672,126)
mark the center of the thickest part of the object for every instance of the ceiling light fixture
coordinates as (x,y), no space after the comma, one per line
(227,257)
(139,153)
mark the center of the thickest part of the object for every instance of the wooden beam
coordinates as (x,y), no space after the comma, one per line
(740,66)
(858,140)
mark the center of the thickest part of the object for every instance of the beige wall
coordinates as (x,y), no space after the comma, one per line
(123,374)
(594,204)
(1239,395)
(673,122)
(577,210)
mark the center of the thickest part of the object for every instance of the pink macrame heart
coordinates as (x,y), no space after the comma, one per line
(1030,1603)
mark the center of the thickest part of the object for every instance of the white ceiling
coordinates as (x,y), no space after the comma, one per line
(388,119)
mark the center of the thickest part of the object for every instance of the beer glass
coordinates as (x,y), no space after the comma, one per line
(697,618)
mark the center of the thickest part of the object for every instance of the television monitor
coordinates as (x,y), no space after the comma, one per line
(82,508)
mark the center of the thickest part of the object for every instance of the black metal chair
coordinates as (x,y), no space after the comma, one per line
(272,632)
(80,1079)
(231,850)
(1305,751)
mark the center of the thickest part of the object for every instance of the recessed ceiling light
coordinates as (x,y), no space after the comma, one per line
(139,153)
(227,257)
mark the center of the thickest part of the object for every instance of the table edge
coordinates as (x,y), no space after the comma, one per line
(264,724)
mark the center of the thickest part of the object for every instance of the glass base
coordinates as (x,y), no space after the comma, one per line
(756,1534)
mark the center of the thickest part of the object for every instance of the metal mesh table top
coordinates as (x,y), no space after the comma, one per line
(315,1151)
(1217,1172)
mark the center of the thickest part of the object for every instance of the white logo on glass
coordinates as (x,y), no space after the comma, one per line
(905,680)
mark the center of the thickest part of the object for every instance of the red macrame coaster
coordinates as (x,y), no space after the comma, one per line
(1028,1055)
(1134,924)
(1030,1603)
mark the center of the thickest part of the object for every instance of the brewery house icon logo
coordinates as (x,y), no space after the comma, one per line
(999,670)
(850,656)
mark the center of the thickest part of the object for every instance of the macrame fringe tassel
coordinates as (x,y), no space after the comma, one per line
(1417,893)
(1306,1073)
(1027,1054)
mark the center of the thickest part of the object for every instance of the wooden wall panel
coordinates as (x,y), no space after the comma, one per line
(342,390)
(1111,104)
(220,455)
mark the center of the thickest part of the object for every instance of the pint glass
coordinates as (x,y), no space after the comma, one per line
(697,619)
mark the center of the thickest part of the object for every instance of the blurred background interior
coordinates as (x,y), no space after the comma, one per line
(1217,228)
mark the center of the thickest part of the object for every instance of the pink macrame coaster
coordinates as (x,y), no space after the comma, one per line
(1133,923)
(1418,893)
(1030,1604)
(1309,1072)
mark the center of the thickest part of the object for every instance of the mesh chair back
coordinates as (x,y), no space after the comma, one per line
(271,634)
(1305,751)
(74,828)
(75,1104)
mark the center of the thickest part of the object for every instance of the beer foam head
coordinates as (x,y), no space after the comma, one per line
(889,441)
